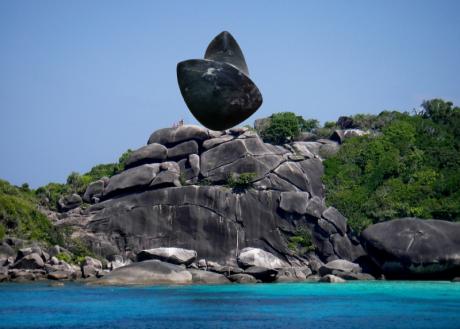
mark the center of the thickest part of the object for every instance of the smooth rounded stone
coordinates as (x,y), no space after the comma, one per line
(170,255)
(334,217)
(182,150)
(262,273)
(147,272)
(206,277)
(340,265)
(153,152)
(210,143)
(294,202)
(69,202)
(293,274)
(292,172)
(94,190)
(137,177)
(218,94)
(31,261)
(329,278)
(349,276)
(59,275)
(242,278)
(172,136)
(257,257)
(224,48)
(414,248)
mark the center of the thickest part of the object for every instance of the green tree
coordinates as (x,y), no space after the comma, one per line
(284,126)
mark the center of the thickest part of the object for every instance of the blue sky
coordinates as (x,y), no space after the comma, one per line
(82,81)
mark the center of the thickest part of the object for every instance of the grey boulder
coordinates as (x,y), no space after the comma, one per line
(147,272)
(257,257)
(205,277)
(153,152)
(173,136)
(415,248)
(171,255)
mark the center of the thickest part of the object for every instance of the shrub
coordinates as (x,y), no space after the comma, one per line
(242,181)
(283,127)
(301,242)
(410,169)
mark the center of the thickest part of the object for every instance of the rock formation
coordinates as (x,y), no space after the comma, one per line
(217,89)
(175,193)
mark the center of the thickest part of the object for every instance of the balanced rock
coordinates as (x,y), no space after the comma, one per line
(217,89)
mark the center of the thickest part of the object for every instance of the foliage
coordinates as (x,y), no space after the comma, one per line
(301,242)
(284,126)
(20,217)
(66,257)
(242,181)
(307,125)
(2,231)
(411,169)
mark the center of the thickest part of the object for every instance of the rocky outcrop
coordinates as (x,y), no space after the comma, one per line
(415,248)
(174,193)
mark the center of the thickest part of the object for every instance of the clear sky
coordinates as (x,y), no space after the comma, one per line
(82,81)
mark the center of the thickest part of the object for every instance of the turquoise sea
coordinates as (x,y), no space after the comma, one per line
(374,305)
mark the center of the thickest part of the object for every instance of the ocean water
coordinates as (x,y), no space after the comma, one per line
(383,304)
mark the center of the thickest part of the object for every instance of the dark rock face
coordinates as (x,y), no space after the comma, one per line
(415,248)
(217,89)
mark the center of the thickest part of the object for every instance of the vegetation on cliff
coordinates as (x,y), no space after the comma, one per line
(410,167)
